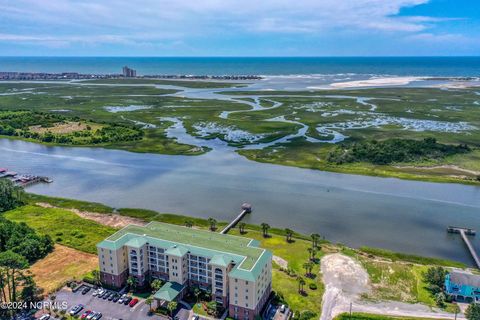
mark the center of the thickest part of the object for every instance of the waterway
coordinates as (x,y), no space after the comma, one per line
(401,215)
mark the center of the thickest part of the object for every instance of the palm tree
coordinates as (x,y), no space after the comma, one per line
(96,277)
(156,285)
(132,283)
(188,223)
(172,306)
(265,227)
(308,266)
(301,283)
(196,293)
(289,234)
(213,224)
(315,237)
(149,302)
(312,253)
(242,226)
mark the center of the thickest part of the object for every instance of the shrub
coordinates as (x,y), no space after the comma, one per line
(312,286)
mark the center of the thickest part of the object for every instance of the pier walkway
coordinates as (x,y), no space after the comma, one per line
(246,209)
(463,233)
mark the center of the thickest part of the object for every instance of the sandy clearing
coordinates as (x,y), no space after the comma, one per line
(446,166)
(345,280)
(112,220)
(280,261)
(63,128)
(62,264)
(375,82)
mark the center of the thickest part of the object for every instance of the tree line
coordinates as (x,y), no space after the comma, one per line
(393,151)
(19,123)
(20,246)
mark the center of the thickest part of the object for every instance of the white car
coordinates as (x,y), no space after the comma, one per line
(91,315)
(45,317)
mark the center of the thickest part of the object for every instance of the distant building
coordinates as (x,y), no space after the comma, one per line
(234,269)
(463,286)
(129,73)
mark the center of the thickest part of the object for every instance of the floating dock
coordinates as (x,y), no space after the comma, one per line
(463,233)
(23,180)
(246,209)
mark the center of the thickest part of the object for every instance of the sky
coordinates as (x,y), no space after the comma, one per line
(239,27)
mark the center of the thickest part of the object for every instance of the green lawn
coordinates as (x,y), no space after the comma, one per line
(286,286)
(63,226)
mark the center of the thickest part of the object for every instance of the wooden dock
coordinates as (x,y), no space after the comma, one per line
(463,233)
(246,209)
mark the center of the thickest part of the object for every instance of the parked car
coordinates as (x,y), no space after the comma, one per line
(45,317)
(76,309)
(85,291)
(195,317)
(111,296)
(116,297)
(97,316)
(85,314)
(127,300)
(122,298)
(133,302)
(105,297)
(91,315)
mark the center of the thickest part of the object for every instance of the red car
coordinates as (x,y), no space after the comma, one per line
(133,302)
(85,314)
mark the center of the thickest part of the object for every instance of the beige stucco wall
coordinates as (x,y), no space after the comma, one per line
(112,261)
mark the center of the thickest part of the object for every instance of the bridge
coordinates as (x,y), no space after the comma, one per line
(246,209)
(463,233)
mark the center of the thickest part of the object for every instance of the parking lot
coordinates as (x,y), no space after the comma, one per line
(109,309)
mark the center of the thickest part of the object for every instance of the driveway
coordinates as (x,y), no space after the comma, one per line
(109,309)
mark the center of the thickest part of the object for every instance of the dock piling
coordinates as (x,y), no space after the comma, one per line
(463,233)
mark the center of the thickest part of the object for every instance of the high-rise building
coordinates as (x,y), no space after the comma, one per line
(234,269)
(129,73)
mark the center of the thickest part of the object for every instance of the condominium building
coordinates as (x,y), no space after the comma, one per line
(129,73)
(234,269)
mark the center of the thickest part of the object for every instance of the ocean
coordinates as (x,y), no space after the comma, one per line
(375,66)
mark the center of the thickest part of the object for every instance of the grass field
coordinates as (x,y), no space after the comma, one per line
(296,254)
(61,265)
(65,227)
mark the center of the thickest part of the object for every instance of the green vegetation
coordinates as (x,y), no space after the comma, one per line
(53,128)
(473,312)
(63,226)
(401,122)
(285,278)
(11,196)
(395,256)
(366,316)
(393,151)
(20,246)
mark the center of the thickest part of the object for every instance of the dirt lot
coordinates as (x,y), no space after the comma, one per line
(345,280)
(111,220)
(63,128)
(61,265)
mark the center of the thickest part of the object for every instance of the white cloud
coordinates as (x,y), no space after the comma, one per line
(146,21)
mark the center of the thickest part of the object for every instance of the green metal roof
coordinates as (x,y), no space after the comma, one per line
(243,251)
(177,251)
(221,260)
(136,242)
(169,291)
